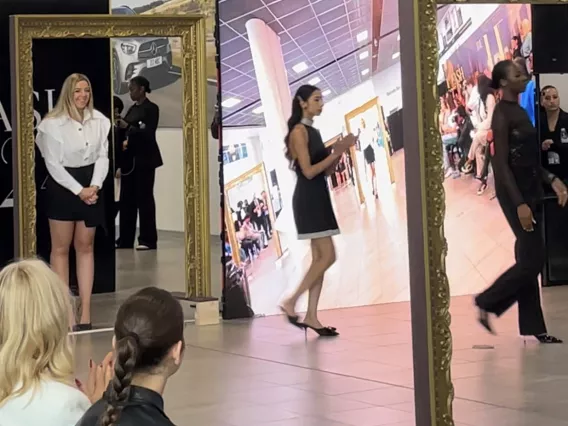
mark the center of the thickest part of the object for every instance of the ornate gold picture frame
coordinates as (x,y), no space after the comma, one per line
(430,292)
(191,30)
(373,103)
(258,170)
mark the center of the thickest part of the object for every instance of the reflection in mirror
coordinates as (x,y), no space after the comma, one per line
(148,167)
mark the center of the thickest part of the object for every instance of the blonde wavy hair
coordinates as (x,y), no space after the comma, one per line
(65,105)
(34,322)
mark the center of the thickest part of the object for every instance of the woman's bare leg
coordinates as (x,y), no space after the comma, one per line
(323,256)
(84,245)
(61,233)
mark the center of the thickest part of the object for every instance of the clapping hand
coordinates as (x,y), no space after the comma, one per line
(99,377)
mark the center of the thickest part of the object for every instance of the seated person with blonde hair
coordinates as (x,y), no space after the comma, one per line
(37,382)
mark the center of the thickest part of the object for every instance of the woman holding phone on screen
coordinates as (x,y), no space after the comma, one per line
(73,140)
(311,203)
(519,178)
(137,186)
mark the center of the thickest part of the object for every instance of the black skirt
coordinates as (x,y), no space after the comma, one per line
(369,154)
(65,206)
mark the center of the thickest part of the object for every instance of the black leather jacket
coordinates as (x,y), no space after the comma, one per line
(144,408)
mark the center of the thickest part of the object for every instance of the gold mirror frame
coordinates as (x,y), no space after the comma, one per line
(419,67)
(373,103)
(259,169)
(191,29)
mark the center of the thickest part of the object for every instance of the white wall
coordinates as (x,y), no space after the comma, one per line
(388,87)
(560,81)
(332,120)
(169,184)
(250,136)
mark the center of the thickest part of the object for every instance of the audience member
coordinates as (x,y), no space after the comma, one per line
(148,343)
(37,382)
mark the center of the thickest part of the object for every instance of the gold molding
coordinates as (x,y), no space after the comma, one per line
(191,30)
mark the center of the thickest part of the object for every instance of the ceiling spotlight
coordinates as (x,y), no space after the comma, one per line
(314,81)
(398,37)
(231,102)
(364,55)
(395,55)
(258,110)
(326,92)
(301,67)
(365,71)
(362,36)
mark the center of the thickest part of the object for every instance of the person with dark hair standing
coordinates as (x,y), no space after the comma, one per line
(516,45)
(148,343)
(519,179)
(465,127)
(137,187)
(311,202)
(554,133)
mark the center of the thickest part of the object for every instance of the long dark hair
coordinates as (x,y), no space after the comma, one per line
(484,87)
(303,93)
(147,326)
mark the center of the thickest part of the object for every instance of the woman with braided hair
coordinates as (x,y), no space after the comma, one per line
(148,344)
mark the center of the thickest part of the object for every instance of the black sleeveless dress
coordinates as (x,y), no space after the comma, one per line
(313,212)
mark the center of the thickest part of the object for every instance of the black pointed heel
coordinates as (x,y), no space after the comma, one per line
(322,332)
(547,339)
(484,321)
(292,319)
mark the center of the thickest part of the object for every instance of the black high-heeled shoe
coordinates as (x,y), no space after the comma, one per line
(322,332)
(547,339)
(483,319)
(293,319)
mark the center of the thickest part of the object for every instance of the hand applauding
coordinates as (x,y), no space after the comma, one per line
(100,376)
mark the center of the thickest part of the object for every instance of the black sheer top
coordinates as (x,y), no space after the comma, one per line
(519,175)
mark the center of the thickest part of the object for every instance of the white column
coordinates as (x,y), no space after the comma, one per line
(276,104)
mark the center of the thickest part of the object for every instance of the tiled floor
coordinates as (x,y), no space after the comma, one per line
(263,372)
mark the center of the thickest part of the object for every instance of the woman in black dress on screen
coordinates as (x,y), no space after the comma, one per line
(313,212)
(519,179)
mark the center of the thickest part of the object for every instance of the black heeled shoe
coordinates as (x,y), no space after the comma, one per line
(484,321)
(547,339)
(322,332)
(292,319)
(82,327)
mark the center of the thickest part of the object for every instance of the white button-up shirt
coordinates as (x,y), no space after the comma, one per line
(64,142)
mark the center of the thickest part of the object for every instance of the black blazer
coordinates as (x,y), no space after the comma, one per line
(142,143)
(144,407)
(560,170)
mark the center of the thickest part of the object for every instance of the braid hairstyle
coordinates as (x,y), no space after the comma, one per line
(302,94)
(147,326)
(127,351)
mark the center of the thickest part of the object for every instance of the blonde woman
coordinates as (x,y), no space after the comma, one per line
(73,140)
(36,356)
